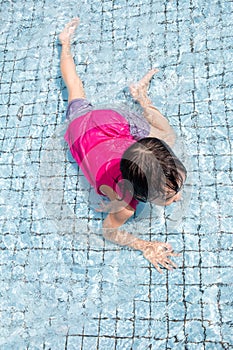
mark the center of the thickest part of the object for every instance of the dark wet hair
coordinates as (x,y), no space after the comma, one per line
(151,167)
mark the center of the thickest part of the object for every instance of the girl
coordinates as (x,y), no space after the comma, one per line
(123,161)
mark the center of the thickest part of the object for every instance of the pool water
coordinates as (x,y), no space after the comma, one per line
(62,286)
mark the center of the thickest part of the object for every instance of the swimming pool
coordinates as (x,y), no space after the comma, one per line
(66,290)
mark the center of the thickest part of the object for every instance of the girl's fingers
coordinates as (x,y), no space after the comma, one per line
(173,254)
(166,266)
(167,246)
(102,207)
(98,209)
(170,262)
(157,267)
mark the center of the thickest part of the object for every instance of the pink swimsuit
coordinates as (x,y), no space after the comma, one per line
(97,141)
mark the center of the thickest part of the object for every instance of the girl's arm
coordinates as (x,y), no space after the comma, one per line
(156,252)
(159,125)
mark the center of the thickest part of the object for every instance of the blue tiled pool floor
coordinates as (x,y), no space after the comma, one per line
(62,286)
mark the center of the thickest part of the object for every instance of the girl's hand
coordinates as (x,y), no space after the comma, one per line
(114,206)
(139,90)
(157,253)
(104,207)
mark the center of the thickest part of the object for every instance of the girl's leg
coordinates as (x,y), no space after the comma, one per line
(160,126)
(68,70)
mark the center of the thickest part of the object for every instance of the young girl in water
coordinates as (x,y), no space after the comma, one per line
(123,161)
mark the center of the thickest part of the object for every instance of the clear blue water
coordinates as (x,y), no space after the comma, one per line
(62,286)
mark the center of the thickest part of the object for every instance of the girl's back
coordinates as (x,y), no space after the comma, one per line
(97,141)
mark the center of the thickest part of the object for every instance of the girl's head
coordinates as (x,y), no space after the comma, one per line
(154,172)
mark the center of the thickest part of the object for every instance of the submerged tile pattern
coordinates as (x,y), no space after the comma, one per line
(62,286)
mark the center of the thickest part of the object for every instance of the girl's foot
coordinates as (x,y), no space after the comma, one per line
(139,90)
(67,33)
